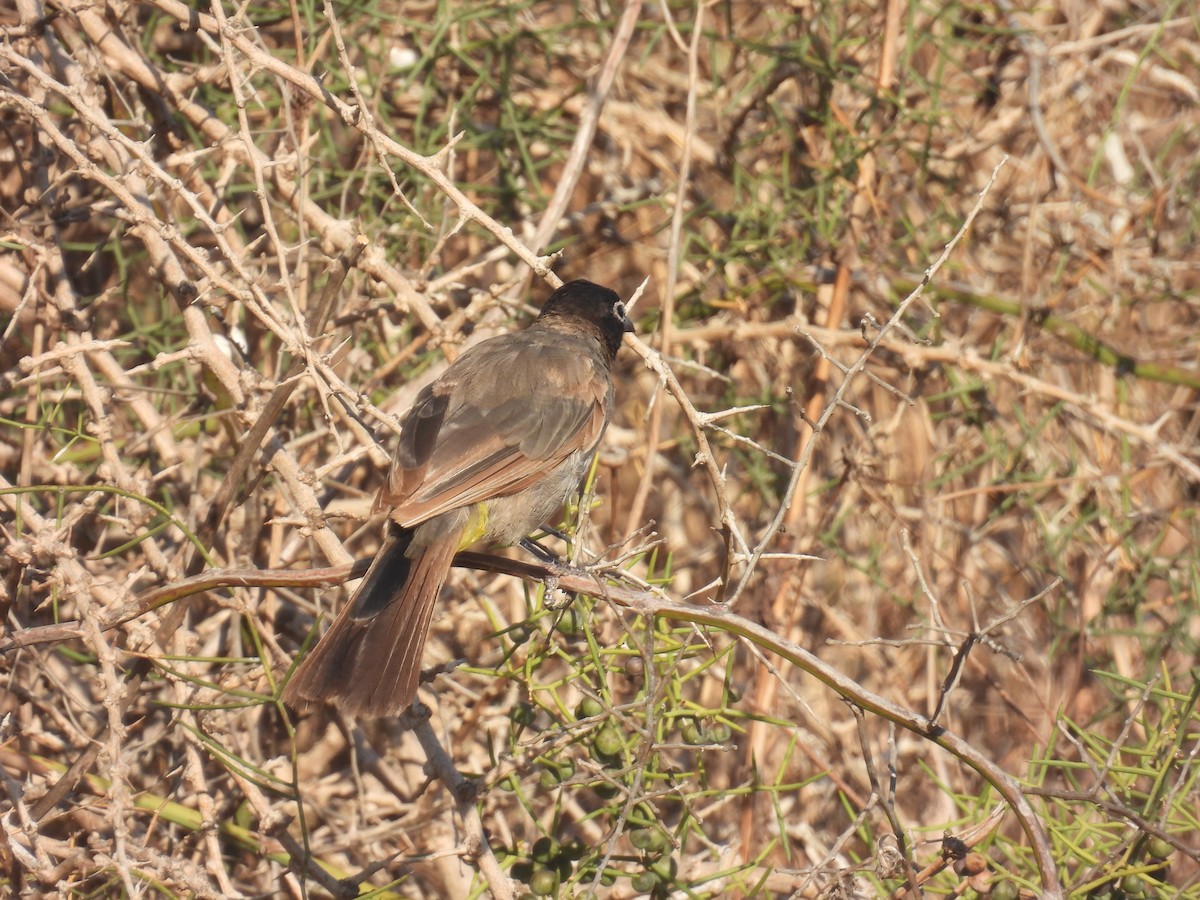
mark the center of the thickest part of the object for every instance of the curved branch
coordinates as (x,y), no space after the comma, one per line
(645,602)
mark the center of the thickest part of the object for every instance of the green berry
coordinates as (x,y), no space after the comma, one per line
(570,623)
(644,882)
(1158,848)
(651,839)
(544,883)
(719,733)
(588,708)
(608,741)
(545,849)
(523,714)
(1134,885)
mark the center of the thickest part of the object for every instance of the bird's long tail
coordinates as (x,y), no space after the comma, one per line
(369,661)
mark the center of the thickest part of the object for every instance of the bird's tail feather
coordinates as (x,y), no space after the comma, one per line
(369,661)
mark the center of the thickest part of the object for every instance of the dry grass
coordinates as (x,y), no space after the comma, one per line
(977,504)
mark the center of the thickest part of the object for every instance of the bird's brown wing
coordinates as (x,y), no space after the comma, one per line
(506,413)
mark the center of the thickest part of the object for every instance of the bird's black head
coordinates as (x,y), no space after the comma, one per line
(599,306)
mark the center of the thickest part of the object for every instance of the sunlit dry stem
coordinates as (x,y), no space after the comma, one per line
(838,398)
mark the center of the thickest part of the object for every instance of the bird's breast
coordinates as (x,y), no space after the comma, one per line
(511,518)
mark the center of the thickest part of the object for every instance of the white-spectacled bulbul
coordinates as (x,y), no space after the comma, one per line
(488,451)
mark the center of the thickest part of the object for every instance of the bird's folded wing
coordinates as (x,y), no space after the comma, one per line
(477,436)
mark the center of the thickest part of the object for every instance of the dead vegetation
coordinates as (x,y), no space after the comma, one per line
(236,242)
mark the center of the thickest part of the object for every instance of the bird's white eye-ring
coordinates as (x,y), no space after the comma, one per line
(619,310)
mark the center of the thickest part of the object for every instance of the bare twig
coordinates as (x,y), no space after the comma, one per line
(732,595)
(589,119)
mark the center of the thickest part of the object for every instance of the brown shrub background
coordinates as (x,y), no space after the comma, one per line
(1026,429)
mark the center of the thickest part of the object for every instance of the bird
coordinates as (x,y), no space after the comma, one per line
(487,452)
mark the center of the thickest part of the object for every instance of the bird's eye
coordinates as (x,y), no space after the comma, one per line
(619,310)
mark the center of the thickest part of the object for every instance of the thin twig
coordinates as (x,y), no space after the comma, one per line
(772,529)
